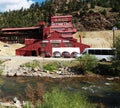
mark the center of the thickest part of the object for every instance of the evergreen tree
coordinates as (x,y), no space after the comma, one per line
(43,11)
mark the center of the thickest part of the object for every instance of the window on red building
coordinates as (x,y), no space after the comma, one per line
(43,44)
(68,44)
(55,44)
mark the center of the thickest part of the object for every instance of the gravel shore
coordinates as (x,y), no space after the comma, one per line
(11,66)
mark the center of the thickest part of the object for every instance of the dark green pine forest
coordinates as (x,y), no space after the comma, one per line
(98,14)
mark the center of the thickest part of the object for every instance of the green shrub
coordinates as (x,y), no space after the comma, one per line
(106,69)
(91,11)
(60,99)
(31,64)
(111,69)
(87,63)
(50,66)
(104,12)
(117,23)
(116,61)
(1,61)
(1,71)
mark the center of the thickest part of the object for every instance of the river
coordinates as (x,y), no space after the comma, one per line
(100,90)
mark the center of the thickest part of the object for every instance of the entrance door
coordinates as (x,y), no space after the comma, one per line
(34,53)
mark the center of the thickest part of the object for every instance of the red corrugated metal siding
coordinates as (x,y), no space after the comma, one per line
(46,32)
(27,50)
(29,41)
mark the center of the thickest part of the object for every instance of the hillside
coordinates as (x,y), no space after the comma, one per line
(95,39)
(9,49)
(88,15)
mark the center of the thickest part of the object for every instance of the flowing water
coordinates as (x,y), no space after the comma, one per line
(99,90)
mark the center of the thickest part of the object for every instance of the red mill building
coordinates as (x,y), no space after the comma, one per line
(45,40)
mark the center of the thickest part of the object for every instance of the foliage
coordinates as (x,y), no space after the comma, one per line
(50,66)
(111,69)
(35,94)
(104,12)
(87,63)
(62,99)
(92,4)
(55,65)
(116,62)
(105,69)
(117,46)
(1,71)
(31,64)
(42,11)
(1,62)
(117,23)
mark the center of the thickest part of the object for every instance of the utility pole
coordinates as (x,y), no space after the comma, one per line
(114,38)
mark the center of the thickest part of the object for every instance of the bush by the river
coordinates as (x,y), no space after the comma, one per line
(116,62)
(50,66)
(107,69)
(61,99)
(111,69)
(31,65)
(86,63)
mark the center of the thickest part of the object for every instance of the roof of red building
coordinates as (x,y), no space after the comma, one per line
(19,29)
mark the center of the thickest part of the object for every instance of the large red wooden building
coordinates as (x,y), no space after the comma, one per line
(42,40)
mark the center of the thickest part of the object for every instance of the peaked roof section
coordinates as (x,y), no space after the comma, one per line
(59,36)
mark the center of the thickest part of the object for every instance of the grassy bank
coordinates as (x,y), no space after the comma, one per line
(62,99)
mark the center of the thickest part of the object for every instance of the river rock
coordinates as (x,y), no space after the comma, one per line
(12,73)
(18,73)
(17,103)
(110,78)
(107,84)
(6,104)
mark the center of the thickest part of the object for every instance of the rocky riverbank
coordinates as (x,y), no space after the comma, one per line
(36,72)
(14,66)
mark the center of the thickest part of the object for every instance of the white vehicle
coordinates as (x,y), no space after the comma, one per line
(102,54)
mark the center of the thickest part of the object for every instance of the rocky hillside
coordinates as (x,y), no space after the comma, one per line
(93,22)
(97,39)
(88,15)
(91,15)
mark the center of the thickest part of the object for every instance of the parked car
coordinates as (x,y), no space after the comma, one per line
(75,54)
(57,54)
(66,54)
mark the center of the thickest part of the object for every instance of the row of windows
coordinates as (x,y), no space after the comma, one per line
(62,29)
(56,44)
(61,20)
(101,52)
(61,23)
